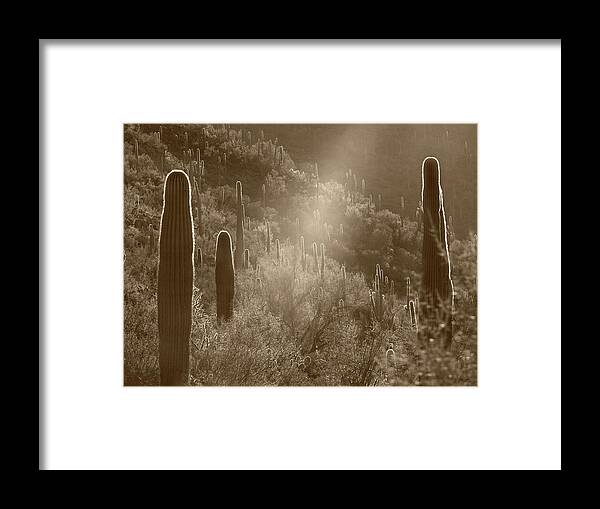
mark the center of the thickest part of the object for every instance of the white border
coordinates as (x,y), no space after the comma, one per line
(512,420)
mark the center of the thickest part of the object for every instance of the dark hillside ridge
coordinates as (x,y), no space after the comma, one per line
(388,157)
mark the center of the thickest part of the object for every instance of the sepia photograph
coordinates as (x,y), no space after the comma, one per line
(300,254)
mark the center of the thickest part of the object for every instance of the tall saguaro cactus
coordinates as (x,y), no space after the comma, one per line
(239,231)
(224,276)
(437,289)
(175,280)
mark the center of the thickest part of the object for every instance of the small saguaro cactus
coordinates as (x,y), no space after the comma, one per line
(419,216)
(343,271)
(268,236)
(437,288)
(402,211)
(198,260)
(390,358)
(302,252)
(322,268)
(246,259)
(264,196)
(363,187)
(239,231)
(413,315)
(224,276)
(175,280)
(151,238)
(407,291)
(315,257)
(278,251)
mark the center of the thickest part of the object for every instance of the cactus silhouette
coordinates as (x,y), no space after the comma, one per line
(407,291)
(175,280)
(437,289)
(224,276)
(239,232)
(315,257)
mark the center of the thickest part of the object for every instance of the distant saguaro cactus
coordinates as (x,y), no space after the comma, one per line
(239,231)
(246,259)
(419,216)
(302,252)
(268,236)
(264,195)
(322,269)
(407,291)
(315,257)
(278,251)
(198,260)
(175,280)
(224,276)
(437,288)
(413,315)
(402,211)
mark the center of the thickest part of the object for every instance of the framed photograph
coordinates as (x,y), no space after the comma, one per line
(318,264)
